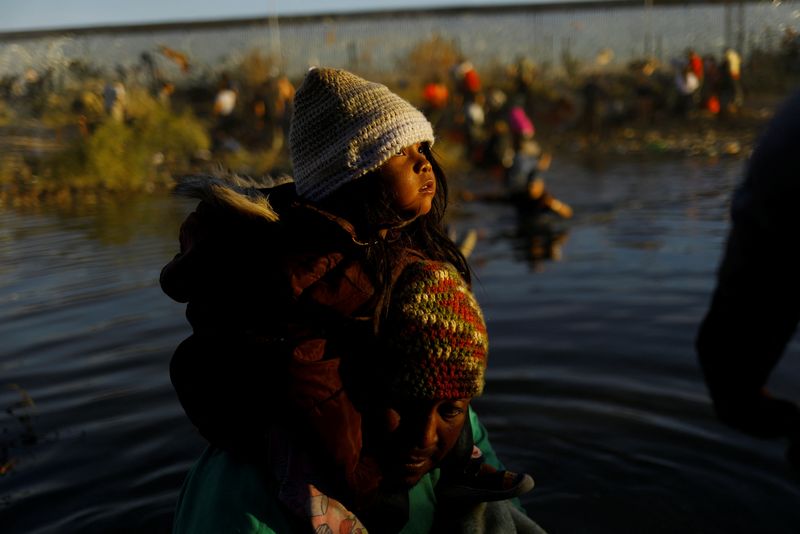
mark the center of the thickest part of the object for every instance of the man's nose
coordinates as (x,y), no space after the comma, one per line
(428,431)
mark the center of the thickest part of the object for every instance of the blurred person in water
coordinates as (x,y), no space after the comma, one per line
(524,180)
(756,304)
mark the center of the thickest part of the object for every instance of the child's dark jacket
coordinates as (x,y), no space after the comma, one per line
(278,303)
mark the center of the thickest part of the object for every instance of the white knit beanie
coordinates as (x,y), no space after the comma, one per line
(344,127)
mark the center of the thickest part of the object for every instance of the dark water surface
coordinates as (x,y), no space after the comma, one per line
(593,386)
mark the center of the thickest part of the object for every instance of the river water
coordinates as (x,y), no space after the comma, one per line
(593,386)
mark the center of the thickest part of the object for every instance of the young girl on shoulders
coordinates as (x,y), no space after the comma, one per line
(286,287)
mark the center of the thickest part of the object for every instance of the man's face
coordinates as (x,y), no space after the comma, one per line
(418,434)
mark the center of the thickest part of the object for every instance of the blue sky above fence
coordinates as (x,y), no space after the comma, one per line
(57,14)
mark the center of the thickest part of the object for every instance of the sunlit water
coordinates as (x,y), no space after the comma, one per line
(593,386)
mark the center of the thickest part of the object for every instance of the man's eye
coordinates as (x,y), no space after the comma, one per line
(401,152)
(450,412)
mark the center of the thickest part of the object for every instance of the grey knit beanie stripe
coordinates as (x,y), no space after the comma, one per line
(344,127)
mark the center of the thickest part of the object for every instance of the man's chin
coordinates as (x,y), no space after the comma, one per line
(411,475)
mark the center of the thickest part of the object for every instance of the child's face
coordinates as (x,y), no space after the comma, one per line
(419,434)
(409,176)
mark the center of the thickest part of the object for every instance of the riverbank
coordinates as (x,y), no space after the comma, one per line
(700,134)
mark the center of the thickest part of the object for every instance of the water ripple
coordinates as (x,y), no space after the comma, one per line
(593,386)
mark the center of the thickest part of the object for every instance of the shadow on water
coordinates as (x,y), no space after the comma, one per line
(592,387)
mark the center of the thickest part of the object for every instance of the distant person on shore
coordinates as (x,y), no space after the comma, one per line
(686,87)
(695,63)
(470,103)
(756,304)
(289,287)
(731,89)
(282,109)
(115,100)
(711,85)
(226,98)
(225,101)
(436,97)
(647,91)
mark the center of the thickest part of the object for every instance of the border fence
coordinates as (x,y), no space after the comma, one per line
(601,33)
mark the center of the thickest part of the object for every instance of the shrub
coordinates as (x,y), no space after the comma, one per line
(130,155)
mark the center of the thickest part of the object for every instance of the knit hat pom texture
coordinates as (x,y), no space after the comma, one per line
(437,345)
(344,127)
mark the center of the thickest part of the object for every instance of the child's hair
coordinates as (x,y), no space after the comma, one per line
(368,205)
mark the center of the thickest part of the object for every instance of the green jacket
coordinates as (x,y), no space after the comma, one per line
(221,496)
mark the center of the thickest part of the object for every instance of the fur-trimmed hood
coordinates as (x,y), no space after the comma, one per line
(251,248)
(245,195)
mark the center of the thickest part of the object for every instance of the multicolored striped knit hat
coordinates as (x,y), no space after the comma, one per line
(344,126)
(435,335)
